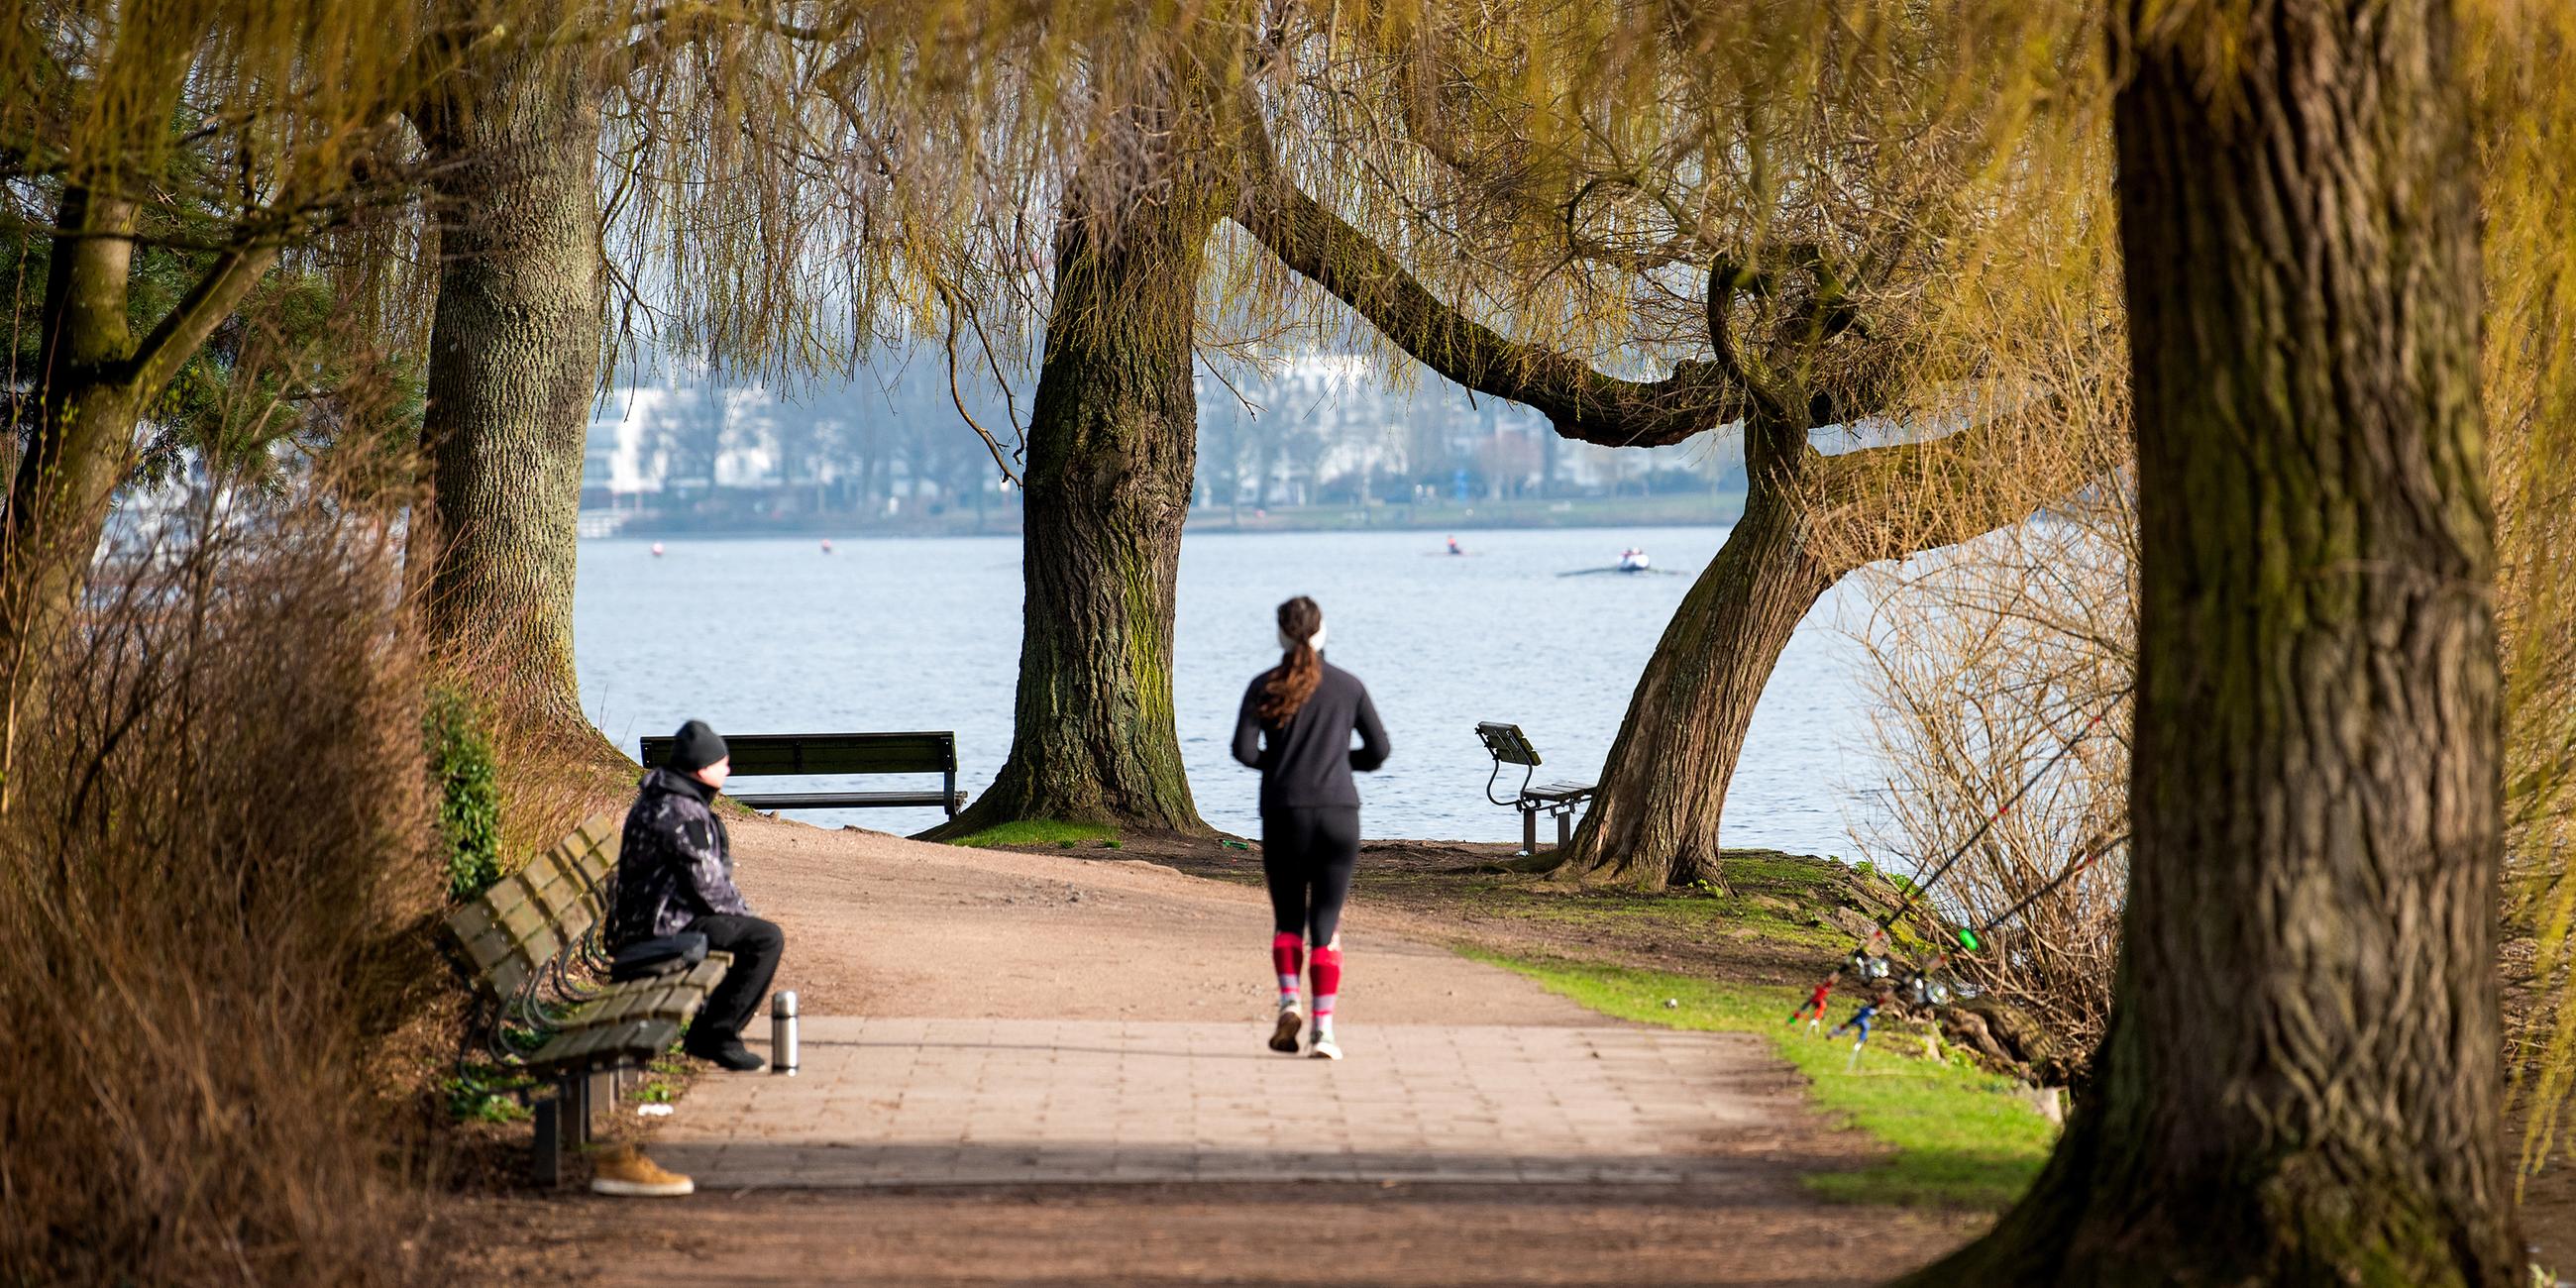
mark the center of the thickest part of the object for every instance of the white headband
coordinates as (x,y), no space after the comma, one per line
(1314,641)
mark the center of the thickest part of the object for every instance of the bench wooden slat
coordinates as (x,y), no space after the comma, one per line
(756,754)
(506,893)
(620,1005)
(548,872)
(1558,791)
(635,1041)
(849,800)
(1506,743)
(509,977)
(523,920)
(569,902)
(597,861)
(471,926)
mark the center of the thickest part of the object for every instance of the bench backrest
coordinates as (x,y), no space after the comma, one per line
(761,754)
(1507,743)
(508,933)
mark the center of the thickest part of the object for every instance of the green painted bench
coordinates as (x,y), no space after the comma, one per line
(529,950)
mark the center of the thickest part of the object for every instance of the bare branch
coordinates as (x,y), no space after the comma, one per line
(958,396)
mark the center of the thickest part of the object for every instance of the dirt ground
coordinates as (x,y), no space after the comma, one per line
(879,925)
(1221,1234)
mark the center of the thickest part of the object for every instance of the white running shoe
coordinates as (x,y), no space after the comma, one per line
(1283,1039)
(1324,1048)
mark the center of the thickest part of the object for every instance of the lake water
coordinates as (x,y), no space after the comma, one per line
(923,633)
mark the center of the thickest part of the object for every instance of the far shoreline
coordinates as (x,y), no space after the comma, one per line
(1533,514)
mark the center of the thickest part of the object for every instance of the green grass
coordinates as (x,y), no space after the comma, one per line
(1040,832)
(1962,1138)
(1766,896)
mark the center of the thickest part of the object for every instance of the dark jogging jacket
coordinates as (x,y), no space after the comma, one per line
(1307,763)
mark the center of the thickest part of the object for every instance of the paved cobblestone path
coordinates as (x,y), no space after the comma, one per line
(950,1102)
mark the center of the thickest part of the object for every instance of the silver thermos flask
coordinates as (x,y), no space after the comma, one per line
(782,1033)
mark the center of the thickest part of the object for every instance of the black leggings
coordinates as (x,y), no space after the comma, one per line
(1307,856)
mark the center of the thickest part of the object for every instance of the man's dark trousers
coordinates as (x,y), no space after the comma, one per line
(756,946)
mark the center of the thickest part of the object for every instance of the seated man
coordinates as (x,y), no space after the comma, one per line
(675,876)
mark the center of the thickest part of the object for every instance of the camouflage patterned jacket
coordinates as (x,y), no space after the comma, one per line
(675,864)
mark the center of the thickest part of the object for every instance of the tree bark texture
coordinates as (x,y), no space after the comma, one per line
(1112,444)
(513,371)
(1663,787)
(2301,1080)
(81,445)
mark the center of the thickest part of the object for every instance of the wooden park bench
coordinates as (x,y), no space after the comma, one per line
(1510,746)
(769,755)
(545,1015)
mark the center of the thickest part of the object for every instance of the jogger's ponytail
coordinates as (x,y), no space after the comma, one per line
(1301,627)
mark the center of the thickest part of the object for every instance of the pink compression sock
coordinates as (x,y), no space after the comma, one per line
(1328,981)
(1287,956)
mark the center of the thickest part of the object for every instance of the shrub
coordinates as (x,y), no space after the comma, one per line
(214,869)
(466,779)
(1987,659)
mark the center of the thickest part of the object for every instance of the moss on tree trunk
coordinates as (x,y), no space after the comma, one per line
(1112,446)
(2300,1084)
(513,368)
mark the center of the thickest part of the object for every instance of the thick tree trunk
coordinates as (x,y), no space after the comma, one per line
(513,371)
(1663,788)
(2300,1084)
(1112,444)
(81,447)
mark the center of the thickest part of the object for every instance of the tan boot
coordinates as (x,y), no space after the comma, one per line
(627,1173)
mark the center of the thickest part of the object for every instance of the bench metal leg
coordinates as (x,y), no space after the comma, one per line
(1529,832)
(578,1091)
(548,1163)
(602,1093)
(1564,829)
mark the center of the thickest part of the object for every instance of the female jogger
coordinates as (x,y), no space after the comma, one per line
(1295,727)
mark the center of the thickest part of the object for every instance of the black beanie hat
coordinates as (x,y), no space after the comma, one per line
(695,747)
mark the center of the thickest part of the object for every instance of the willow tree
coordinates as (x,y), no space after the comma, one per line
(2527,129)
(757,188)
(511,151)
(514,148)
(1789,209)
(2300,1083)
(1150,167)
(178,151)
(1112,452)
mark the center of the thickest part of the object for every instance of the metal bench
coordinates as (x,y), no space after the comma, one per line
(767,755)
(1509,746)
(544,1013)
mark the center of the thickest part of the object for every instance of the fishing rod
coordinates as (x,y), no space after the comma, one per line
(1968,938)
(1925,884)
(1861,955)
